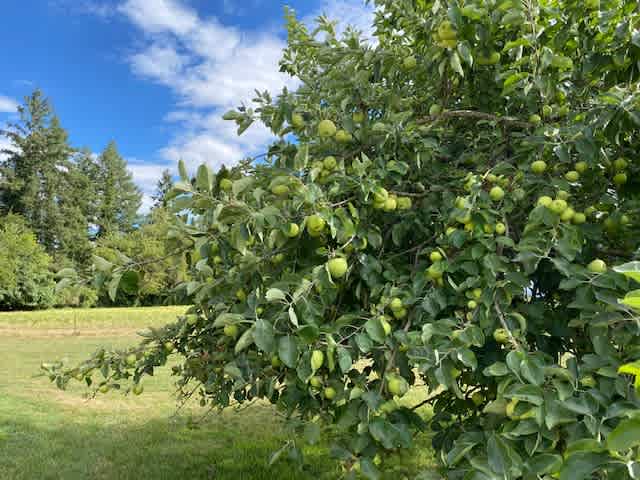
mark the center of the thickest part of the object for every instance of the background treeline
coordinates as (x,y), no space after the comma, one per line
(60,206)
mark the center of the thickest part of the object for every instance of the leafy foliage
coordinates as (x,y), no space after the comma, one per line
(465,268)
(26,280)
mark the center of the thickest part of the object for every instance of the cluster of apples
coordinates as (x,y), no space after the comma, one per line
(383,200)
(446,36)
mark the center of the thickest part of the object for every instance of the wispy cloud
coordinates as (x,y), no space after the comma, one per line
(7,105)
(211,67)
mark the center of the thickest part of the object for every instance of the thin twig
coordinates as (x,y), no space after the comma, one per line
(475,115)
(503,321)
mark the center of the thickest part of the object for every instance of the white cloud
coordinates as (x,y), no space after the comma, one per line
(4,145)
(7,105)
(211,67)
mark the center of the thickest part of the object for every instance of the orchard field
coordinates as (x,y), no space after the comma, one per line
(46,433)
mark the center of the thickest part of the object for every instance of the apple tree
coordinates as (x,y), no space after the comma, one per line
(439,211)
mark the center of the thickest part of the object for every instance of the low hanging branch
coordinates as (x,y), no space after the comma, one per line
(507,121)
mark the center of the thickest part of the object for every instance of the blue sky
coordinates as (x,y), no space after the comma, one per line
(153,75)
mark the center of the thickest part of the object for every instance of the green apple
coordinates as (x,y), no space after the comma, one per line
(545,201)
(477,293)
(562,195)
(496,194)
(396,304)
(435,109)
(435,256)
(169,347)
(316,381)
(315,225)
(280,190)
(581,167)
(590,211)
(131,359)
(477,398)
(342,136)
(567,215)
(329,162)
(390,204)
(558,206)
(326,129)
(293,230)
(572,176)
(137,389)
(226,185)
(104,388)
(337,267)
(317,359)
(404,203)
(500,335)
(446,31)
(231,330)
(579,218)
(358,117)
(620,164)
(472,304)
(547,111)
(400,314)
(297,120)
(397,385)
(501,228)
(386,326)
(625,220)
(434,271)
(535,119)
(597,266)
(330,393)
(620,178)
(241,295)
(276,362)
(539,166)
(410,62)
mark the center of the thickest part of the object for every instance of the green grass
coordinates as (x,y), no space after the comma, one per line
(46,433)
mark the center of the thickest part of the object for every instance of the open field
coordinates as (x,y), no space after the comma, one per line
(50,434)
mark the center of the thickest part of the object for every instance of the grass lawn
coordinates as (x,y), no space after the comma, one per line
(46,433)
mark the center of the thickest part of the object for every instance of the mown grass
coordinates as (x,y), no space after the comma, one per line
(46,433)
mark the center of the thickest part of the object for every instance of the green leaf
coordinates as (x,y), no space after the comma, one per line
(264,336)
(545,463)
(369,470)
(374,329)
(455,64)
(288,351)
(275,295)
(580,466)
(344,359)
(632,299)
(204,178)
(245,340)
(312,433)
(227,319)
(625,436)
(101,264)
(497,369)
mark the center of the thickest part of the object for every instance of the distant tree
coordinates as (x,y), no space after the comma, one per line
(42,183)
(118,197)
(148,247)
(164,186)
(26,280)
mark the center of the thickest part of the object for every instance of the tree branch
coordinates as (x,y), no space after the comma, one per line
(510,121)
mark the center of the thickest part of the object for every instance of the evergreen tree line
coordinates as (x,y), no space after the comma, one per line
(60,206)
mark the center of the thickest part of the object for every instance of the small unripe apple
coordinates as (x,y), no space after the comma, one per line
(169,347)
(317,359)
(337,267)
(390,204)
(579,218)
(558,206)
(545,201)
(276,362)
(500,335)
(410,62)
(358,117)
(562,195)
(226,185)
(297,120)
(476,293)
(539,166)
(620,164)
(131,359)
(280,190)
(477,398)
(329,393)
(404,203)
(547,111)
(597,266)
(572,176)
(567,215)
(620,178)
(329,162)
(472,304)
(104,388)
(400,313)
(435,256)
(496,194)
(231,330)
(386,326)
(315,225)
(326,129)
(535,119)
(342,136)
(397,385)
(500,228)
(316,381)
(241,295)
(581,167)
(435,109)
(137,389)
(293,230)
(396,304)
